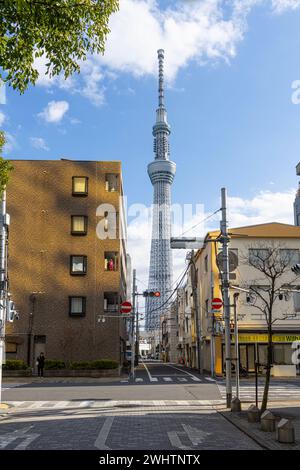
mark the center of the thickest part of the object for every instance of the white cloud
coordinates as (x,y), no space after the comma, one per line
(265,206)
(2,118)
(206,31)
(54,111)
(39,143)
(280,6)
(10,143)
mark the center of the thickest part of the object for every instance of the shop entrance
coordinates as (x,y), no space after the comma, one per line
(246,357)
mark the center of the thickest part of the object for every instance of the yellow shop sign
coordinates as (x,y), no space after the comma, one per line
(263,338)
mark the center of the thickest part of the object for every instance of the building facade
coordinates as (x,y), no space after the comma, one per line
(161,172)
(67,260)
(252,326)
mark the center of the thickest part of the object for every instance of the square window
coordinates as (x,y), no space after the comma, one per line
(79,224)
(77,306)
(110,261)
(111,182)
(111,303)
(78,265)
(80,186)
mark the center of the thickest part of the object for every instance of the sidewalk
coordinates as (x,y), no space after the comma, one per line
(86,380)
(289,410)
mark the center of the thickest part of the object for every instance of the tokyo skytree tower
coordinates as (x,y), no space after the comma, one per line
(161,172)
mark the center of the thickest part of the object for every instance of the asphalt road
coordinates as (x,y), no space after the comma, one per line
(166,407)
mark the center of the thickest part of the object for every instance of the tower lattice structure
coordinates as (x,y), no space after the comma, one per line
(161,172)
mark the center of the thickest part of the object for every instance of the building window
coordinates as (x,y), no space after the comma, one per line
(111,182)
(111,261)
(257,256)
(289,256)
(282,354)
(77,306)
(207,308)
(80,186)
(206,263)
(79,224)
(111,302)
(78,265)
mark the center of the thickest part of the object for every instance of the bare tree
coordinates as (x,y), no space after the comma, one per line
(273,262)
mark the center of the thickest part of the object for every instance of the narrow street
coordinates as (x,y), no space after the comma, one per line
(167,407)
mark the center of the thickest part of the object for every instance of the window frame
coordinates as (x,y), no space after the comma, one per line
(83,312)
(76,233)
(79,193)
(78,273)
(107,182)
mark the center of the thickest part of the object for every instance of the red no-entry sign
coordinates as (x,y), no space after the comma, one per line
(126,307)
(216,303)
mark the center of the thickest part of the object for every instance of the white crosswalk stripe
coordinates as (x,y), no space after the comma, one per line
(167,379)
(182,379)
(276,391)
(109,404)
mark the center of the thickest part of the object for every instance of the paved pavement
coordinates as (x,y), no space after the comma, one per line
(159,425)
(166,407)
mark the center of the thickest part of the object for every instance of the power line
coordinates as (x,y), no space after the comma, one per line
(201,221)
(176,288)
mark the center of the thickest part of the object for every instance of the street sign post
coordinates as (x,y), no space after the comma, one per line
(216,303)
(125,307)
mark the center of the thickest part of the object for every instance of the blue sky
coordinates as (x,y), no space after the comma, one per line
(228,99)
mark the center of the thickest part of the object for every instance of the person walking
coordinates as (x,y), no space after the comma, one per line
(40,364)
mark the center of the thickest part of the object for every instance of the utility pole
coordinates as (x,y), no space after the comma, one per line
(132,324)
(137,333)
(3,281)
(236,341)
(196,307)
(224,239)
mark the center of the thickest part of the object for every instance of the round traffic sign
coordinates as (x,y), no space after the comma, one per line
(216,303)
(125,307)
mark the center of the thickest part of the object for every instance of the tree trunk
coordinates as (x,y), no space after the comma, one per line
(268,373)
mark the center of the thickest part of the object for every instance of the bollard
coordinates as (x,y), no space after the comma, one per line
(253,414)
(285,431)
(236,404)
(267,421)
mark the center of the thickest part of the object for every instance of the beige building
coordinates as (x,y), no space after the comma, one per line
(67,260)
(252,327)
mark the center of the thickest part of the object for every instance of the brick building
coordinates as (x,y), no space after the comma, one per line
(67,260)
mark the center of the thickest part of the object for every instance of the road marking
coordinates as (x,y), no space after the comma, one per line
(194,435)
(152,379)
(7,439)
(168,379)
(138,379)
(182,379)
(103,434)
(37,404)
(185,372)
(61,404)
(86,404)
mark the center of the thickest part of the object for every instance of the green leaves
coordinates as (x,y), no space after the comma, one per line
(5,166)
(64,31)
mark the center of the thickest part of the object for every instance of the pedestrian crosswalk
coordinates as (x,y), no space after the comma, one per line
(106,404)
(161,379)
(277,392)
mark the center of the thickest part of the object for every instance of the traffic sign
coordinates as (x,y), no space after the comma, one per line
(125,307)
(216,303)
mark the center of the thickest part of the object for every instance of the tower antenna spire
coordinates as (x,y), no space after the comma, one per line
(161,57)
